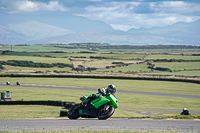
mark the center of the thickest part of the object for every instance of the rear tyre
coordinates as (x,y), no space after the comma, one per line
(73,113)
(105,112)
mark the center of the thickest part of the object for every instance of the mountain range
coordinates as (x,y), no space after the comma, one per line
(66,28)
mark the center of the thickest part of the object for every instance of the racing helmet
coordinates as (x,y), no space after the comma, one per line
(185,109)
(111,88)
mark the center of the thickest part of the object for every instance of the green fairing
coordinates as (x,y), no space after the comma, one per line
(99,101)
(113,101)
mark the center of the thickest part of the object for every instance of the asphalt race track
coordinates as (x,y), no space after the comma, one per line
(95,89)
(95,124)
(109,124)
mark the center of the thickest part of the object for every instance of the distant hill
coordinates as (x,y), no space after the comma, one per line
(179,33)
(29,28)
(44,26)
(183,33)
(112,37)
(10,36)
(65,28)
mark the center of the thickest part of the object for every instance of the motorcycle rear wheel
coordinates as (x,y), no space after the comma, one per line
(105,113)
(73,113)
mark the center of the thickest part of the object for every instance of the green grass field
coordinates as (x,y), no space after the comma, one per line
(179,65)
(113,55)
(168,57)
(53,54)
(181,73)
(18,69)
(125,100)
(33,48)
(131,68)
(28,111)
(123,56)
(104,63)
(36,59)
(97,48)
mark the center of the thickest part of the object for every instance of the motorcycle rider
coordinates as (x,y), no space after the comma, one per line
(185,112)
(104,92)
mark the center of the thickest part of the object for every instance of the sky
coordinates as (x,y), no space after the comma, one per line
(120,14)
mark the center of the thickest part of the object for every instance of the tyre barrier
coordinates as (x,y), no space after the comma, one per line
(63,113)
(67,105)
(111,77)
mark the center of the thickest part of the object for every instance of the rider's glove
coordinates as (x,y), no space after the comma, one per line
(102,91)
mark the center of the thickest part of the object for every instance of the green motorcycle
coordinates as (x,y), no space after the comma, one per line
(101,108)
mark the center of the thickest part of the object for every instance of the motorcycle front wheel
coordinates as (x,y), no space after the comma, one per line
(105,112)
(73,113)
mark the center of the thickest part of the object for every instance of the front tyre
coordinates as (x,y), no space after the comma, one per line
(73,113)
(105,112)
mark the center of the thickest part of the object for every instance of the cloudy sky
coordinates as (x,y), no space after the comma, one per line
(120,14)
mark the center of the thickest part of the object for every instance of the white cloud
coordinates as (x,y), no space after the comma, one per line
(126,15)
(176,7)
(121,27)
(150,20)
(120,15)
(24,6)
(54,5)
(27,6)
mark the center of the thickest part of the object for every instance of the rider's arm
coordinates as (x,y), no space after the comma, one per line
(102,91)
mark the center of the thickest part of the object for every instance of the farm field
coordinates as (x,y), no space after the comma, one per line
(123,56)
(103,63)
(91,58)
(130,68)
(36,59)
(173,56)
(53,54)
(96,47)
(180,73)
(121,66)
(176,66)
(18,69)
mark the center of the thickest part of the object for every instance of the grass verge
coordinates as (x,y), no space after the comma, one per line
(28,111)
